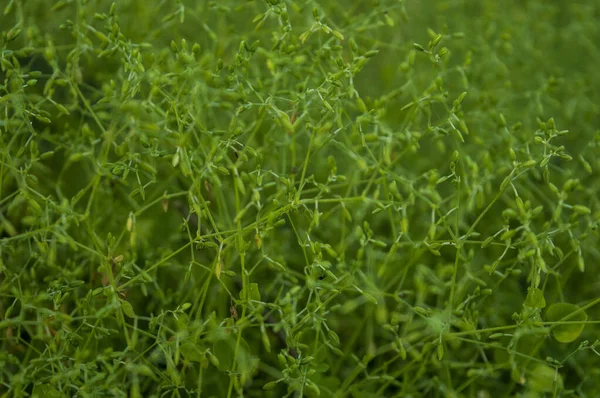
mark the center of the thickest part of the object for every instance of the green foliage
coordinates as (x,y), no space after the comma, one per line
(275,198)
(566,333)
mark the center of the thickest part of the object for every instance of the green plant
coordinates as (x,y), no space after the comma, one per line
(299,198)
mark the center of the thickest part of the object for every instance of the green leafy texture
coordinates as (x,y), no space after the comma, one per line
(127,309)
(225,352)
(250,293)
(535,298)
(193,352)
(544,379)
(568,332)
(46,390)
(197,197)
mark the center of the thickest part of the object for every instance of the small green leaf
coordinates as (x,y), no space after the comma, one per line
(270,385)
(421,311)
(389,20)
(419,47)
(544,379)
(59,5)
(580,263)
(568,332)
(360,104)
(304,36)
(402,349)
(369,297)
(62,109)
(338,35)
(127,309)
(535,298)
(225,351)
(253,293)
(9,7)
(333,336)
(192,352)
(487,241)
(528,164)
(286,122)
(505,182)
(580,209)
(214,360)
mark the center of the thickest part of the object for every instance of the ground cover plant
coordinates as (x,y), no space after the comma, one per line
(279,198)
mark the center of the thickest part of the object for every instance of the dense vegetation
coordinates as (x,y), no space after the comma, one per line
(268,198)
